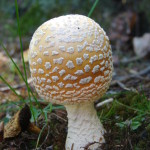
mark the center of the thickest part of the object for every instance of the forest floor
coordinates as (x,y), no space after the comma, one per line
(126,119)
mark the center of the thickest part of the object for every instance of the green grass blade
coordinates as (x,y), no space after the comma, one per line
(11,88)
(23,62)
(19,32)
(93,7)
(20,73)
(8,104)
(131,108)
(6,51)
(21,46)
(40,135)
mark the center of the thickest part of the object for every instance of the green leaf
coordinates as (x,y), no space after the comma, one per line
(135,125)
(121,124)
(36,113)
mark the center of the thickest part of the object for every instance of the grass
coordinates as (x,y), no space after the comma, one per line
(127,117)
(130,108)
(11,88)
(23,62)
(93,7)
(35,111)
(19,71)
(24,77)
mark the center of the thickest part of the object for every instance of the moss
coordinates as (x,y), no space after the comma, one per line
(128,119)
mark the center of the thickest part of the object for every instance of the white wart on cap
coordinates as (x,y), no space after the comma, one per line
(70,60)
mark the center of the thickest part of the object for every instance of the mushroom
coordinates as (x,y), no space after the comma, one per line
(71,64)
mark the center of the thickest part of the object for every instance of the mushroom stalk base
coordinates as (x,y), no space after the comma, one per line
(84,127)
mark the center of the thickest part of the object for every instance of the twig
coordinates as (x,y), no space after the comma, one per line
(104,102)
(125,78)
(37,143)
(59,117)
(126,61)
(3,89)
(45,138)
(89,144)
(123,86)
(129,140)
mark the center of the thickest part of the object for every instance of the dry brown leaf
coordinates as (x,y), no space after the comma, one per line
(12,128)
(1,131)
(19,122)
(34,129)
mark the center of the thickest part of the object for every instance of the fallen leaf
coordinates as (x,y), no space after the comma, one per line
(1,131)
(34,129)
(18,123)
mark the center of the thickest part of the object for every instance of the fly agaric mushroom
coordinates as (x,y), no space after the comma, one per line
(71,64)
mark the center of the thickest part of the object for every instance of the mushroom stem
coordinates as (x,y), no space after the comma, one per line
(84,127)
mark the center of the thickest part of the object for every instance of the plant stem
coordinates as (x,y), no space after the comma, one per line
(93,7)
(131,108)
(6,51)
(21,47)
(11,88)
(40,135)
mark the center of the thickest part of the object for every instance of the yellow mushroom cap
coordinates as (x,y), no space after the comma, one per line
(70,60)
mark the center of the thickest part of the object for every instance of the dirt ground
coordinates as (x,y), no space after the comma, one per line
(131,80)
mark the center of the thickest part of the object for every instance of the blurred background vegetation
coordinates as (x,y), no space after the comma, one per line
(34,12)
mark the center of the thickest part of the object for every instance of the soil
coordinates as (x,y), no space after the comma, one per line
(54,134)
